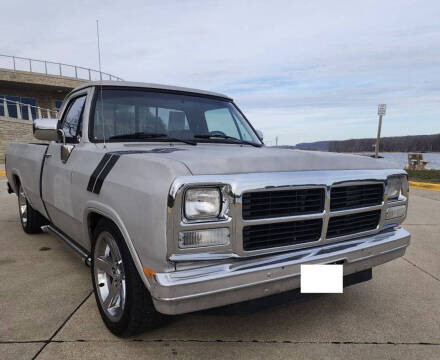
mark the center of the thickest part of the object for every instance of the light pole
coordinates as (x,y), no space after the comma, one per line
(381,109)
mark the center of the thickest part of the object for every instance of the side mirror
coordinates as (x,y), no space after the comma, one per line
(45,129)
(260,134)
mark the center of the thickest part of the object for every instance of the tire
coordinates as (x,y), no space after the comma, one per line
(31,220)
(130,310)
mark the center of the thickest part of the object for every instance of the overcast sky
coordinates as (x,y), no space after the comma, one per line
(300,70)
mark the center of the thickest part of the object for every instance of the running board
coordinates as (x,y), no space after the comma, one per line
(83,254)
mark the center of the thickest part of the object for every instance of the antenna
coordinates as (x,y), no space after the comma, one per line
(100,78)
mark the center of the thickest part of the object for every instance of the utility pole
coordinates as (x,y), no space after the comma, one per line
(276,141)
(381,109)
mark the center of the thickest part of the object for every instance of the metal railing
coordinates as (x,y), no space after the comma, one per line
(53,68)
(21,107)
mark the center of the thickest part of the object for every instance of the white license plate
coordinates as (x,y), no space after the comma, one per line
(322,278)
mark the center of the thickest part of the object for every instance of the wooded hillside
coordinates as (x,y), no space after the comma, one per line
(415,143)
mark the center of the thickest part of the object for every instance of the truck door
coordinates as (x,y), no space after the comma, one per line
(57,172)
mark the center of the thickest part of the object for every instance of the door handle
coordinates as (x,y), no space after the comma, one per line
(47,155)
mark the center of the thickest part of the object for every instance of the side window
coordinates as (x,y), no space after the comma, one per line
(72,121)
(222,121)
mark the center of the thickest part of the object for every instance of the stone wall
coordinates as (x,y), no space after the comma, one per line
(13,130)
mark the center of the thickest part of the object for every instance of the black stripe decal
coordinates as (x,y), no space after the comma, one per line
(98,169)
(109,160)
(108,167)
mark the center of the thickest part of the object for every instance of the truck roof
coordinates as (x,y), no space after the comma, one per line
(133,84)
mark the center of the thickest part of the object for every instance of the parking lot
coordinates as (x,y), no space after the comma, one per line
(47,309)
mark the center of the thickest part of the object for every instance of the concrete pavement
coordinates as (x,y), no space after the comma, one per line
(47,309)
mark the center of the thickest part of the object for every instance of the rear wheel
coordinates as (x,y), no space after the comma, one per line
(123,300)
(31,220)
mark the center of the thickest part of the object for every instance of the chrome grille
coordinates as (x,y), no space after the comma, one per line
(344,215)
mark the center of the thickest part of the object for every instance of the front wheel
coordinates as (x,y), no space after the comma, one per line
(123,300)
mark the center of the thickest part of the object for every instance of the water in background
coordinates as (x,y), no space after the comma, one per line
(402,159)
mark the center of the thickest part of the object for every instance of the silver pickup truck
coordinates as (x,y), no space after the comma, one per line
(171,197)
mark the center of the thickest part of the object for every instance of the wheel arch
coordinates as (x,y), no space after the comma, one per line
(15,181)
(96,211)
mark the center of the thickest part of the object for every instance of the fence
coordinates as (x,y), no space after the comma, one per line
(20,108)
(53,68)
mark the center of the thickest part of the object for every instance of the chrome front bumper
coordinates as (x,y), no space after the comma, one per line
(240,280)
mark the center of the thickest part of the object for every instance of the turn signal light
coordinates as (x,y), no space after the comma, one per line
(203,238)
(395,212)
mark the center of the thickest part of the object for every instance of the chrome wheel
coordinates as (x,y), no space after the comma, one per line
(109,276)
(22,206)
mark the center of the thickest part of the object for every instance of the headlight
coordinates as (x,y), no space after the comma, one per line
(202,203)
(394,186)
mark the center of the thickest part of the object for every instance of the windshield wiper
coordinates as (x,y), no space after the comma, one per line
(145,135)
(138,135)
(227,137)
(175,139)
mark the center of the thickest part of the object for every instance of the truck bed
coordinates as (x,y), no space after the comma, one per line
(25,161)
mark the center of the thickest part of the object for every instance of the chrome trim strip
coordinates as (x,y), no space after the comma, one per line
(327,211)
(356,210)
(285,219)
(203,256)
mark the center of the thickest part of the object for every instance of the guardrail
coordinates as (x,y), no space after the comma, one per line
(53,68)
(20,107)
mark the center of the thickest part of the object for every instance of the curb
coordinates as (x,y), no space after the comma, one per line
(425,186)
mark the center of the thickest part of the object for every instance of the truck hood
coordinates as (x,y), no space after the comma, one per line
(210,159)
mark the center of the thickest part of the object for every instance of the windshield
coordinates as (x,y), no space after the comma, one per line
(136,115)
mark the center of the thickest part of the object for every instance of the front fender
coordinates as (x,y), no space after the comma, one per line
(110,213)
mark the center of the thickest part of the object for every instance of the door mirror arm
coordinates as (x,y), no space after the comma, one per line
(62,136)
(66,149)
